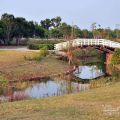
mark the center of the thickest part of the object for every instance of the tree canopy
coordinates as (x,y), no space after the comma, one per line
(16,28)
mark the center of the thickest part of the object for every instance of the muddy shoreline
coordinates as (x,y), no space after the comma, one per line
(37,78)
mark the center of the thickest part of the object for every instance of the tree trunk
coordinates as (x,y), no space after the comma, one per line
(17,41)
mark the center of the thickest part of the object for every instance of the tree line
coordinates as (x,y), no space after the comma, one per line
(16,28)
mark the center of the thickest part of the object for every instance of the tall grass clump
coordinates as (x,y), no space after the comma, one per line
(42,53)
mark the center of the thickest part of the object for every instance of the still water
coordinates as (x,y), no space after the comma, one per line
(88,72)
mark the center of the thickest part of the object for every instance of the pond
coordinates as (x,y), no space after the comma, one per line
(88,72)
(43,89)
(85,77)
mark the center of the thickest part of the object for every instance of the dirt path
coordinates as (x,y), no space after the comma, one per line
(16,48)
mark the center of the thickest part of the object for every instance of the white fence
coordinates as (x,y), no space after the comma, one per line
(87,42)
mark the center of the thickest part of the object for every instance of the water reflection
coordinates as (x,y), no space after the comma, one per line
(42,89)
(88,72)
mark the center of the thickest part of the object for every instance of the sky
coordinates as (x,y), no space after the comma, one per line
(78,12)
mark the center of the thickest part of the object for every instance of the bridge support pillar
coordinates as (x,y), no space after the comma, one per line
(108,58)
(108,69)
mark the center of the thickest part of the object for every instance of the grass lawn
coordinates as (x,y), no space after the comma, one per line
(87,105)
(15,67)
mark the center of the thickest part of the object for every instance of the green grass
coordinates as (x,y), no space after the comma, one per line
(83,106)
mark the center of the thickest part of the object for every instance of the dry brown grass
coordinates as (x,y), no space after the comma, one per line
(88,105)
(118,66)
(13,64)
(12,58)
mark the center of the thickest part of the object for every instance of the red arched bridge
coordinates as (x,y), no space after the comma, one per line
(107,46)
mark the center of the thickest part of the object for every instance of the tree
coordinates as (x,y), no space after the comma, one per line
(39,31)
(19,29)
(2,32)
(55,33)
(22,28)
(31,29)
(97,34)
(66,30)
(8,21)
(117,31)
(56,22)
(85,33)
(46,24)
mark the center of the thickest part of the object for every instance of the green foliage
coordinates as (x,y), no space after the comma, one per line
(3,81)
(8,21)
(85,52)
(44,41)
(2,32)
(116,57)
(55,33)
(42,53)
(39,31)
(56,22)
(46,24)
(66,30)
(39,46)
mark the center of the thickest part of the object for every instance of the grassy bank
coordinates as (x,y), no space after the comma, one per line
(14,66)
(89,105)
(96,104)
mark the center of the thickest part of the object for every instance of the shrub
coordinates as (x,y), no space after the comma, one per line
(33,46)
(85,52)
(45,41)
(42,53)
(116,57)
(39,46)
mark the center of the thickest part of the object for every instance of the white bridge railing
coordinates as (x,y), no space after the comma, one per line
(86,42)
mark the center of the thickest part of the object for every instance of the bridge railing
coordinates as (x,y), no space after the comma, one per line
(111,44)
(86,42)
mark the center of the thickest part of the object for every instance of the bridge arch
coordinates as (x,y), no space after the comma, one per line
(107,46)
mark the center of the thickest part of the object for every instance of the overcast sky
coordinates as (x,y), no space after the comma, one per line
(81,12)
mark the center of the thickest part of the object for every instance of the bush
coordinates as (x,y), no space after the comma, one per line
(42,53)
(116,57)
(39,55)
(33,46)
(39,46)
(85,52)
(45,41)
